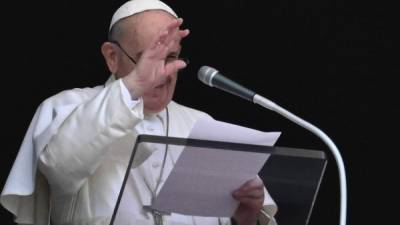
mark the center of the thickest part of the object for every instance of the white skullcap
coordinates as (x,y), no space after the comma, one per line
(133,7)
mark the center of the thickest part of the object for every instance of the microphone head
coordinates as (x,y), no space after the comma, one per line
(206,74)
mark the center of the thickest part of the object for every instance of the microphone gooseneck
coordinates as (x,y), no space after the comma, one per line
(213,78)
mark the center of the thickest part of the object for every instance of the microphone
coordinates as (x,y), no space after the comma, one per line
(213,78)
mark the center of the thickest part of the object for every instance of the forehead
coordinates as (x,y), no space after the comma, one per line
(141,29)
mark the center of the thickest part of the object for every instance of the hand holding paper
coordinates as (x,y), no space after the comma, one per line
(251,198)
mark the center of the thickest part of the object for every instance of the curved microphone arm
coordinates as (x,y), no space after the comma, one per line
(342,174)
(213,78)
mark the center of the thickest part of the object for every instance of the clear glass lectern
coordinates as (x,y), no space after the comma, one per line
(292,177)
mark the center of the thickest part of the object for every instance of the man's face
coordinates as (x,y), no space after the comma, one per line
(141,30)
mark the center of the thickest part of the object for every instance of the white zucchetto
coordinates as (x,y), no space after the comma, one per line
(133,7)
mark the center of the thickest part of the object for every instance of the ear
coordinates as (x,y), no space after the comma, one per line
(110,54)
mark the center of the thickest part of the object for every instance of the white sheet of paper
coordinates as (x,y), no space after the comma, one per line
(202,180)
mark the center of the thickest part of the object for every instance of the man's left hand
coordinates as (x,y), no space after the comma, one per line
(251,198)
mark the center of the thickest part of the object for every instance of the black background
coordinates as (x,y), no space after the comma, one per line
(333,63)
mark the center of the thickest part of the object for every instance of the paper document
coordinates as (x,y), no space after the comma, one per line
(202,180)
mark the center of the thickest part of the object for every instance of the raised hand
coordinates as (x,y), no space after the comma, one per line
(153,68)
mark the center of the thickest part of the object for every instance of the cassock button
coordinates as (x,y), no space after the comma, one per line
(155,164)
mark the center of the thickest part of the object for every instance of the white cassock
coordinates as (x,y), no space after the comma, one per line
(81,141)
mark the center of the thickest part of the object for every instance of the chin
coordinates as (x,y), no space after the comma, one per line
(154,107)
(158,99)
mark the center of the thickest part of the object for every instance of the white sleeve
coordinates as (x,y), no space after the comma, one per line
(126,96)
(77,149)
(269,210)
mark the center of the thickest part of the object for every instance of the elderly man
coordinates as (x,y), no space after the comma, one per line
(82,149)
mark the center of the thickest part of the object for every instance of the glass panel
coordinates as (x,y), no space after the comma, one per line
(292,177)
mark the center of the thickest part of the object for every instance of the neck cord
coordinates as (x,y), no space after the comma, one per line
(165,156)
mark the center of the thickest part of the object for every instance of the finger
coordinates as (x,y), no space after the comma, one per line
(161,76)
(184,33)
(158,40)
(252,202)
(162,51)
(174,66)
(171,33)
(254,193)
(169,30)
(175,34)
(248,189)
(172,28)
(252,184)
(157,49)
(170,68)
(175,24)
(162,42)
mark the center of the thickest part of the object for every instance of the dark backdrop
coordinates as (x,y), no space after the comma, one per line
(331,62)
